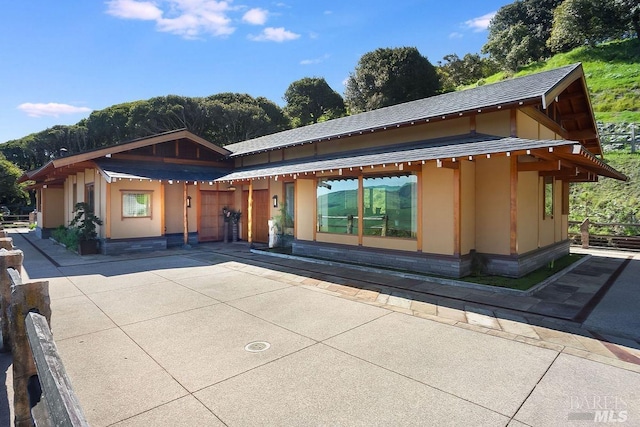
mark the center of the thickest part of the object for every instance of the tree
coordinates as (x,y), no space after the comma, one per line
(579,22)
(222,119)
(631,10)
(109,126)
(311,99)
(11,193)
(236,117)
(456,72)
(519,31)
(389,76)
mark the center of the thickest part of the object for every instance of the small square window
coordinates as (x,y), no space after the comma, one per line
(136,204)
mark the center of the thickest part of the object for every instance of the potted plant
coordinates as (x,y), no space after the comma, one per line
(84,222)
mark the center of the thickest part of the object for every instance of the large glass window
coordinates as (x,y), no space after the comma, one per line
(390,206)
(337,206)
(136,204)
(289,194)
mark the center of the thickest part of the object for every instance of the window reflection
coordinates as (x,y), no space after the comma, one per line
(390,206)
(337,206)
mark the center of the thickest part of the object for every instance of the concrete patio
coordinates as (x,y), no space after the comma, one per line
(164,339)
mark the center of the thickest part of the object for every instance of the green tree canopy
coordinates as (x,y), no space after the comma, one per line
(389,76)
(456,71)
(519,31)
(630,9)
(579,22)
(11,193)
(310,100)
(222,119)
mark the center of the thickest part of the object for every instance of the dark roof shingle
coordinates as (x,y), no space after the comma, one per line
(505,92)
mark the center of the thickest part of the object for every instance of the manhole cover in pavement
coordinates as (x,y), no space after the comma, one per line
(257,346)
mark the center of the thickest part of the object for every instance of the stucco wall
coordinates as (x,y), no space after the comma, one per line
(437,210)
(529,210)
(497,123)
(306,150)
(52,207)
(531,129)
(305,208)
(420,132)
(255,159)
(135,227)
(527,127)
(546,133)
(467,207)
(173,208)
(493,205)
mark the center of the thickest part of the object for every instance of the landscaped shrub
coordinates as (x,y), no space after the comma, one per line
(66,236)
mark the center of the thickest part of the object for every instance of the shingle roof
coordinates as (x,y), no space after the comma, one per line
(521,89)
(437,149)
(120,169)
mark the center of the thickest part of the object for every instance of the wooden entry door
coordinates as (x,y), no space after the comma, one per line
(260,216)
(211,222)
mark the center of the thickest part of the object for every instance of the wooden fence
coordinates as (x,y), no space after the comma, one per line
(591,234)
(42,391)
(16,221)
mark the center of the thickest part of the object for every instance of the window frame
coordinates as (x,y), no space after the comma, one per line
(354,223)
(413,234)
(548,191)
(124,193)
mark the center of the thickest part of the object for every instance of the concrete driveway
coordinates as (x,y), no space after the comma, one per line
(199,338)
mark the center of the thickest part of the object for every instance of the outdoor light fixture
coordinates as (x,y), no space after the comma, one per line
(275,201)
(231,187)
(188,201)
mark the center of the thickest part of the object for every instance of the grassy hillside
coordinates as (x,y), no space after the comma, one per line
(609,200)
(613,76)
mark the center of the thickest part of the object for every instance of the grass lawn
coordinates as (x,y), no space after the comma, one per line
(526,282)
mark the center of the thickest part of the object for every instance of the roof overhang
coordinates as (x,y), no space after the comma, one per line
(58,169)
(115,170)
(576,163)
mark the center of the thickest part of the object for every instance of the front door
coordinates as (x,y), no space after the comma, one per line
(211,222)
(261,216)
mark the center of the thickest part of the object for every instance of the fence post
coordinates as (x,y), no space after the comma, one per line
(633,138)
(6,242)
(25,298)
(8,259)
(584,233)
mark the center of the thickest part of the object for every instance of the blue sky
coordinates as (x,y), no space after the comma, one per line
(59,60)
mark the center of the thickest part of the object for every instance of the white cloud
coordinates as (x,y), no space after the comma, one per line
(275,35)
(255,16)
(51,109)
(131,9)
(480,23)
(187,18)
(314,60)
(455,35)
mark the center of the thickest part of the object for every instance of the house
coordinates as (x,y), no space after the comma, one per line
(436,185)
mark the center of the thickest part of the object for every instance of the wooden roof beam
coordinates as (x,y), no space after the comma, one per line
(581,135)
